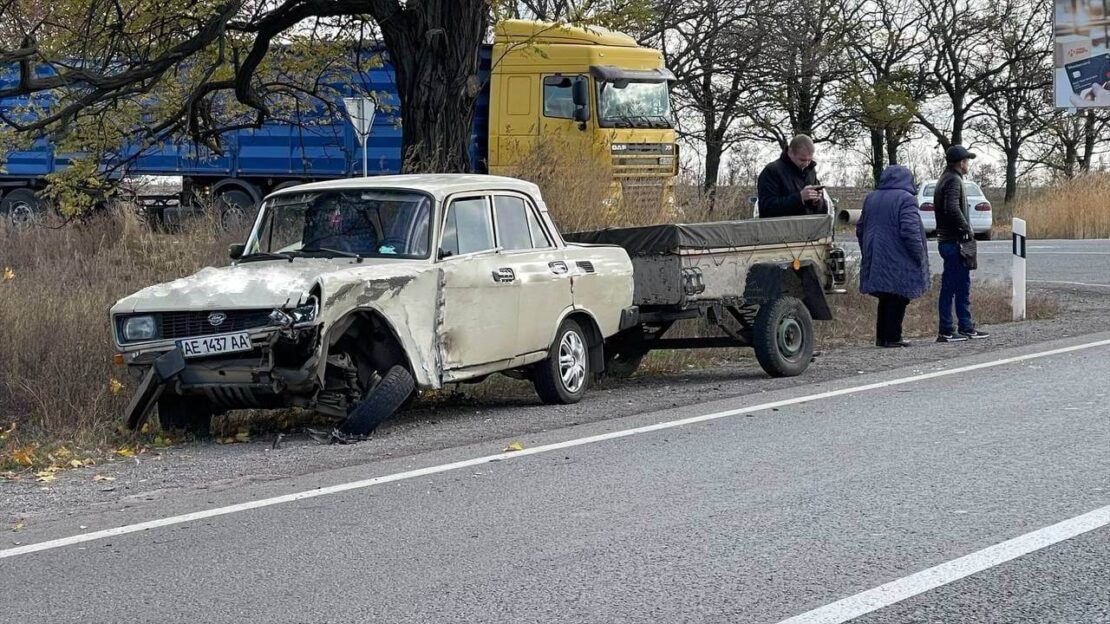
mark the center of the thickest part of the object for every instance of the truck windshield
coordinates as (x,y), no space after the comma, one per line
(625,104)
(365,223)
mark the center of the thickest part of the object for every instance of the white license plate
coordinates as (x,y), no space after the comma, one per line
(213,345)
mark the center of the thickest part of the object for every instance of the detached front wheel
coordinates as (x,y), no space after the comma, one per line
(380,403)
(783,337)
(563,377)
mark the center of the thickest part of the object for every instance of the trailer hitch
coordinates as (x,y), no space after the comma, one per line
(165,368)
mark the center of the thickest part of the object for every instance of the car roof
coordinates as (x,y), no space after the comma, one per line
(439,185)
(922,186)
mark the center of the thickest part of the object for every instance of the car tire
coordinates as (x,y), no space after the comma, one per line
(564,376)
(192,414)
(624,363)
(383,400)
(782,337)
(21,207)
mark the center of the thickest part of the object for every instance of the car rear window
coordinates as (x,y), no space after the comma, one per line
(972,188)
(929,190)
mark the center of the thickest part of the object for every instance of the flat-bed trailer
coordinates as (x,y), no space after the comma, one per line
(759,282)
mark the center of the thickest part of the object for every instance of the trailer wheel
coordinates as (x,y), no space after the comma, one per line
(783,337)
(192,414)
(236,207)
(21,207)
(563,377)
(380,403)
(623,364)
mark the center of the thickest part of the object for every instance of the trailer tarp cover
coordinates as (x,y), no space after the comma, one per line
(673,238)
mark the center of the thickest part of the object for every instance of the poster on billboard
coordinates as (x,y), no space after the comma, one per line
(1081,58)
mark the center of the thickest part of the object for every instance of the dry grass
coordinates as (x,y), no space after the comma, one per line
(1073,209)
(56,374)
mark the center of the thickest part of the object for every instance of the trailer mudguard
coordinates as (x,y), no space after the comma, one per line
(768,281)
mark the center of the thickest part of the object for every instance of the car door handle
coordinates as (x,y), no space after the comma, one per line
(504,275)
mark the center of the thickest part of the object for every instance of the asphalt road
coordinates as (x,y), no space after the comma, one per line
(1077,263)
(752,517)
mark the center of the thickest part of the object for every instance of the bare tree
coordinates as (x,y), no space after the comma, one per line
(804,63)
(712,46)
(1014,106)
(964,68)
(1068,142)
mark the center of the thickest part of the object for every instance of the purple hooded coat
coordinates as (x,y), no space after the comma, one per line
(894,255)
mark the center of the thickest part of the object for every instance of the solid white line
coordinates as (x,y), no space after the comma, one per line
(1069,283)
(613,435)
(945,573)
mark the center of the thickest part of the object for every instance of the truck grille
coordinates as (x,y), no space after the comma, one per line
(642,193)
(189,324)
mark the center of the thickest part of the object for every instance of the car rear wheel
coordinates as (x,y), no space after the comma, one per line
(783,337)
(564,376)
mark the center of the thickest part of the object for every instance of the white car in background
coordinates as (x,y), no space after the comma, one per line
(979,209)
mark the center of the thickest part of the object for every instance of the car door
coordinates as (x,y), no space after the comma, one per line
(540,267)
(481,295)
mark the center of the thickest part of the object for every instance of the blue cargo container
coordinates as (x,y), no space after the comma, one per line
(313,145)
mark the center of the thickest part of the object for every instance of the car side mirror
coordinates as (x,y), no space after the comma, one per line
(443,253)
(236,251)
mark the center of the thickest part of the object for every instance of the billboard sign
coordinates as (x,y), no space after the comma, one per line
(1081,62)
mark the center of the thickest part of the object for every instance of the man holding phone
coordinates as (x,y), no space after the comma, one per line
(788,187)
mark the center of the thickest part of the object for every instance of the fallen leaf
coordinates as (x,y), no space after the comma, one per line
(125,452)
(103,478)
(76,463)
(243,436)
(114,386)
(515,446)
(9,274)
(44,477)
(17,526)
(145,428)
(23,457)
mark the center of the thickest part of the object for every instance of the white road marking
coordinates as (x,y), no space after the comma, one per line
(546,448)
(945,573)
(1069,283)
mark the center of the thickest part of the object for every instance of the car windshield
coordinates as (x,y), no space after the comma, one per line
(624,104)
(366,223)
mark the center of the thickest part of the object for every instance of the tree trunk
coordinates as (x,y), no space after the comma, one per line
(876,155)
(1089,137)
(1011,175)
(433,47)
(893,141)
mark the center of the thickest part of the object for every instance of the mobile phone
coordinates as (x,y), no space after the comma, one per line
(819,188)
(1086,73)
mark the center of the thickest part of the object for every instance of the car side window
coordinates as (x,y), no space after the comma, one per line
(558,97)
(467,228)
(512,223)
(539,237)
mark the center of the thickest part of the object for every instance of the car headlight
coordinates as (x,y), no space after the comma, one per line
(304,314)
(139,328)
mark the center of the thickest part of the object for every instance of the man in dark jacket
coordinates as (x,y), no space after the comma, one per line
(953,228)
(788,187)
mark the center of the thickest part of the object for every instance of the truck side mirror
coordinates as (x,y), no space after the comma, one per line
(236,251)
(580,92)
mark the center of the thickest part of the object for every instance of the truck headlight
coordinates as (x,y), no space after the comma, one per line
(139,328)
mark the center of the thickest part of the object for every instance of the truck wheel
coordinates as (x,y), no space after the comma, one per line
(21,207)
(236,208)
(783,337)
(563,377)
(380,403)
(192,414)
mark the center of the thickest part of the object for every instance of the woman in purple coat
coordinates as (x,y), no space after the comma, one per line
(894,264)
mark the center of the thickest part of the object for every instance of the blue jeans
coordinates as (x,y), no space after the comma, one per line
(955,288)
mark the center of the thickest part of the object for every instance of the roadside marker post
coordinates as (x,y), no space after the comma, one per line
(1017,274)
(360,110)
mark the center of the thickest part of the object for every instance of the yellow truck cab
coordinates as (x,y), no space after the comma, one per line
(587,91)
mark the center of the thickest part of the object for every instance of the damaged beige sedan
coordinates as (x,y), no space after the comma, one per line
(348,295)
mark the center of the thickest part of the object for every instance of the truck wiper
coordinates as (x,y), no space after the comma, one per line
(266,255)
(663,120)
